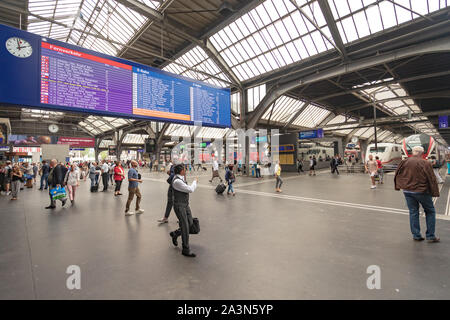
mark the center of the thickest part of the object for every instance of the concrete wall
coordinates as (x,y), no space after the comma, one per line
(55,151)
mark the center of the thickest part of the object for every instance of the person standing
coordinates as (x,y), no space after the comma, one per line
(436,168)
(181,207)
(372,169)
(215,170)
(16,177)
(111,171)
(312,165)
(415,177)
(105,175)
(277,172)
(72,181)
(230,179)
(133,189)
(169,204)
(45,170)
(380,170)
(8,175)
(55,179)
(35,172)
(93,174)
(119,175)
(299,166)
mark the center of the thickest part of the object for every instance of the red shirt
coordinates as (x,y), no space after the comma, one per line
(117,173)
(379,164)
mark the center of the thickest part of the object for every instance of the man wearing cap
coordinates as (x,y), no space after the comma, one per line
(416,178)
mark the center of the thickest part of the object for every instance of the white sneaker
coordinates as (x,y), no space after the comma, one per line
(140,211)
(129,213)
(373,187)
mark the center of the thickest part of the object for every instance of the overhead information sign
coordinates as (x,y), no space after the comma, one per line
(311,134)
(57,75)
(443,122)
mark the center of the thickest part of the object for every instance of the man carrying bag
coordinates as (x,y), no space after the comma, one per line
(55,181)
(181,207)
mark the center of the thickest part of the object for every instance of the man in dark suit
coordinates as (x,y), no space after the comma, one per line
(55,179)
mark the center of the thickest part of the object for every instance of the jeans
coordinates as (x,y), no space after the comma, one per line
(279,182)
(44,177)
(413,200)
(15,188)
(230,188)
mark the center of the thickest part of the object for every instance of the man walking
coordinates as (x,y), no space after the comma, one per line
(169,205)
(415,177)
(105,175)
(215,171)
(334,165)
(181,192)
(133,189)
(55,179)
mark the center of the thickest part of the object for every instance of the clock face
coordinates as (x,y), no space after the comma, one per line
(19,47)
(53,128)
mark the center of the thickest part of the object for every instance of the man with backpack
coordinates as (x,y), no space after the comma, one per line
(230,179)
(169,205)
(181,207)
(334,164)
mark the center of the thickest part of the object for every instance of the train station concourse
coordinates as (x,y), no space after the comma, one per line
(216,150)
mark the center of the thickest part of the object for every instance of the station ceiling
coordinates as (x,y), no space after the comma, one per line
(257,46)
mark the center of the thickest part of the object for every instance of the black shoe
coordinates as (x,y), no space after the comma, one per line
(188,254)
(434,240)
(174,239)
(418,239)
(50,207)
(64,202)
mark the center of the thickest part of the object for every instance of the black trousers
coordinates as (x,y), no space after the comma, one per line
(118,185)
(105,178)
(169,205)
(334,169)
(184,216)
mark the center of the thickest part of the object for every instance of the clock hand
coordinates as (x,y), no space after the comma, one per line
(18,44)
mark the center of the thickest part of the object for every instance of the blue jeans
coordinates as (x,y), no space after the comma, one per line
(413,200)
(230,188)
(44,177)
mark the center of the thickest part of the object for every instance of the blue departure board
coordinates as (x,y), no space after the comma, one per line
(61,76)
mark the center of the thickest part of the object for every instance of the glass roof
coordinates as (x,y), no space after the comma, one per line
(101,17)
(356,19)
(98,125)
(271,36)
(178,130)
(131,138)
(197,59)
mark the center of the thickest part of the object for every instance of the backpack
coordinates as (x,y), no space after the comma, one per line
(314,162)
(171,176)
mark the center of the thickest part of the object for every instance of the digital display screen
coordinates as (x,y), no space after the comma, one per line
(311,134)
(66,77)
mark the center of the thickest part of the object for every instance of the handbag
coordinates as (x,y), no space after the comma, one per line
(58,193)
(195,226)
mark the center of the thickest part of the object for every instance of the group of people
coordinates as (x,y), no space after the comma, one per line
(15,177)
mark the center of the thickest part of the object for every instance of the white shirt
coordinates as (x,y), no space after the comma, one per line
(182,186)
(215,165)
(105,168)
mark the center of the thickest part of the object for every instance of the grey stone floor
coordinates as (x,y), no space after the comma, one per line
(313,241)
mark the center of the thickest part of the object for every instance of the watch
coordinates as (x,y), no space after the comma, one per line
(53,128)
(19,47)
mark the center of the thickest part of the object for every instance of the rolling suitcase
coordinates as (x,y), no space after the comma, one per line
(94,188)
(220,188)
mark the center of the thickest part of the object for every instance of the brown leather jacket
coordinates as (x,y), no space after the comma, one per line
(416,174)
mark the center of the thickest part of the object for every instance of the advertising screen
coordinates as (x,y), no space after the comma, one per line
(58,75)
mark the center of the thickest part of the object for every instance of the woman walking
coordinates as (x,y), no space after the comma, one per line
(16,181)
(277,172)
(119,175)
(72,181)
(229,178)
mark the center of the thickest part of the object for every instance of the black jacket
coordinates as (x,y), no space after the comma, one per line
(56,176)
